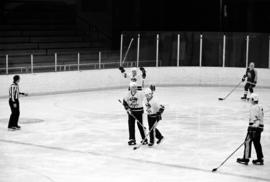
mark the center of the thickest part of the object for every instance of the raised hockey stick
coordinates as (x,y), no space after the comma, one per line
(127,51)
(215,169)
(230,92)
(144,128)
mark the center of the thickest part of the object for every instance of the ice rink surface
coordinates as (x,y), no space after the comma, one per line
(82,137)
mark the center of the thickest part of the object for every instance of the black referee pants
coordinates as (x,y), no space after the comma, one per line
(15,113)
(131,124)
(253,136)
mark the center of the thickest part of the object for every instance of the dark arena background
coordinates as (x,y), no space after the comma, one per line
(75,59)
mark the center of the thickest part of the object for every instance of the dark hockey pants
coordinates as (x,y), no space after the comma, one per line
(155,132)
(253,136)
(131,124)
(249,87)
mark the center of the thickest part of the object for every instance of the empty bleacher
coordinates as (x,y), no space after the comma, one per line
(43,29)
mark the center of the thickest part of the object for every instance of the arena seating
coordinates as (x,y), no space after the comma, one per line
(43,29)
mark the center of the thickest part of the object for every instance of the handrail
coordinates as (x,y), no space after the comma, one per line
(68,67)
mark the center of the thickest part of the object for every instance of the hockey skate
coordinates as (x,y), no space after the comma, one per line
(244,97)
(258,162)
(242,161)
(160,140)
(150,144)
(12,128)
(131,142)
(18,127)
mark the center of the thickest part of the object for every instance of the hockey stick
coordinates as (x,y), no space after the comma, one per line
(230,91)
(144,128)
(153,127)
(215,169)
(251,83)
(127,51)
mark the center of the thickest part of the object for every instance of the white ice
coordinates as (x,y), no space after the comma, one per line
(83,137)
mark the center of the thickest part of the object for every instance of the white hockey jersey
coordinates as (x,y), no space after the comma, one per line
(135,101)
(256,115)
(151,106)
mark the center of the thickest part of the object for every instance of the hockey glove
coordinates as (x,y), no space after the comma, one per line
(152,87)
(161,110)
(142,69)
(121,68)
(159,117)
(143,72)
(244,77)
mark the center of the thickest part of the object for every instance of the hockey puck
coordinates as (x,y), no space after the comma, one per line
(214,170)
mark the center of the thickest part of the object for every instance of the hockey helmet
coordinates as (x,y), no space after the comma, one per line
(148,91)
(254,97)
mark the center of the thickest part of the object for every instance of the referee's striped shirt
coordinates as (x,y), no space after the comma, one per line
(14,92)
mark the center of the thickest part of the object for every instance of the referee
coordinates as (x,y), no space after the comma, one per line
(14,94)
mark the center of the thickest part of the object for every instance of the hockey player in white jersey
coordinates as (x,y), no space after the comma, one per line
(154,111)
(255,129)
(133,103)
(133,76)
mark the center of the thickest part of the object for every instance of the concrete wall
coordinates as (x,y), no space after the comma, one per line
(59,82)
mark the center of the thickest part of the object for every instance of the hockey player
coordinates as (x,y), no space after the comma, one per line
(133,103)
(154,111)
(254,132)
(14,105)
(134,77)
(252,76)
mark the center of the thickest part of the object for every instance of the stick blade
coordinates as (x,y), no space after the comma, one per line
(135,148)
(220,98)
(214,170)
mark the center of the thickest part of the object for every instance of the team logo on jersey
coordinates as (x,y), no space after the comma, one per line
(133,101)
(133,79)
(249,75)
